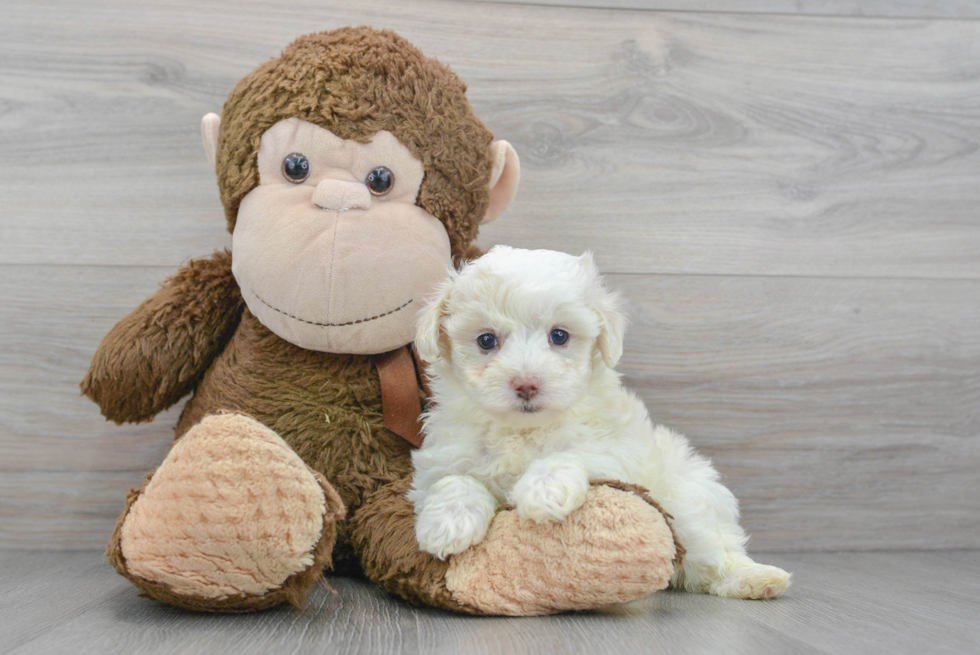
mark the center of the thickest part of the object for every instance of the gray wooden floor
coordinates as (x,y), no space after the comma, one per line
(916,602)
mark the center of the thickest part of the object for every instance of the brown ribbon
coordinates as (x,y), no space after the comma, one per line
(400,401)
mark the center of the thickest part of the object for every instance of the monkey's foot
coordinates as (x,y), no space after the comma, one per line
(233,521)
(617,547)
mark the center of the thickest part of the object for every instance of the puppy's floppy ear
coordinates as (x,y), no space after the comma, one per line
(430,341)
(613,328)
(608,305)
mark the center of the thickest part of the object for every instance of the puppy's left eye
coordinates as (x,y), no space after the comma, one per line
(558,337)
(486,341)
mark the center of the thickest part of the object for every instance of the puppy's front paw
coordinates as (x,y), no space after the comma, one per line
(454,516)
(550,491)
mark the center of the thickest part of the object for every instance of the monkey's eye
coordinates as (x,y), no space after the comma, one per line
(487,342)
(558,337)
(296,167)
(380,180)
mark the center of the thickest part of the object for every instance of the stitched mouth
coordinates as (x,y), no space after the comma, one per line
(360,320)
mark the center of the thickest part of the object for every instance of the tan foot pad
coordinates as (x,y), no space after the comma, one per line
(616,548)
(232,511)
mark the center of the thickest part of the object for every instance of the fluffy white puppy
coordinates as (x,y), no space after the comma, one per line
(528,409)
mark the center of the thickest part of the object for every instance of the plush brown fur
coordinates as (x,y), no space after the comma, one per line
(356,82)
(327,407)
(384,533)
(195,334)
(155,356)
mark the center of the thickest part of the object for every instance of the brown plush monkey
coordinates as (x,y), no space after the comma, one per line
(353,172)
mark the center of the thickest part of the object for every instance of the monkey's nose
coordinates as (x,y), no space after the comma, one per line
(340,195)
(526,388)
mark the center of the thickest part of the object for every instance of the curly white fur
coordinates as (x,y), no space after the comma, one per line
(488,443)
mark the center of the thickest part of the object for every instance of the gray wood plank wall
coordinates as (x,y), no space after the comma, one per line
(866,8)
(791,203)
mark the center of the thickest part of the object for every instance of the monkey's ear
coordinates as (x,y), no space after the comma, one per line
(504,177)
(209,134)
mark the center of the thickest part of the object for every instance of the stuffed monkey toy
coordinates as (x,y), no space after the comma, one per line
(353,173)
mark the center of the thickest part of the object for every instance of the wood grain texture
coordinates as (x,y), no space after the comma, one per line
(62,509)
(53,320)
(669,143)
(840,603)
(856,8)
(843,413)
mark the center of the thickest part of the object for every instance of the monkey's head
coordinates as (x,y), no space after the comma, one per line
(353,172)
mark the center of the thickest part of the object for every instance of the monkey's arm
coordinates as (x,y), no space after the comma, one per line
(155,356)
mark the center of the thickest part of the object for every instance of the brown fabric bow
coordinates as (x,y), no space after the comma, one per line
(401,374)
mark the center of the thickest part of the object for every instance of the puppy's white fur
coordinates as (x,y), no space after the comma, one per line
(486,444)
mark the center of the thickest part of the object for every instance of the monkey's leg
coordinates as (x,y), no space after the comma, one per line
(616,548)
(232,521)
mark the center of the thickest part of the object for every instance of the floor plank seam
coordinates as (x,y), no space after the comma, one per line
(606,271)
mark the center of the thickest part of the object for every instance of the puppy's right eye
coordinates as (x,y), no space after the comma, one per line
(558,337)
(486,341)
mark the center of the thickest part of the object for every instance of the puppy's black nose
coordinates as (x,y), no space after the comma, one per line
(526,388)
